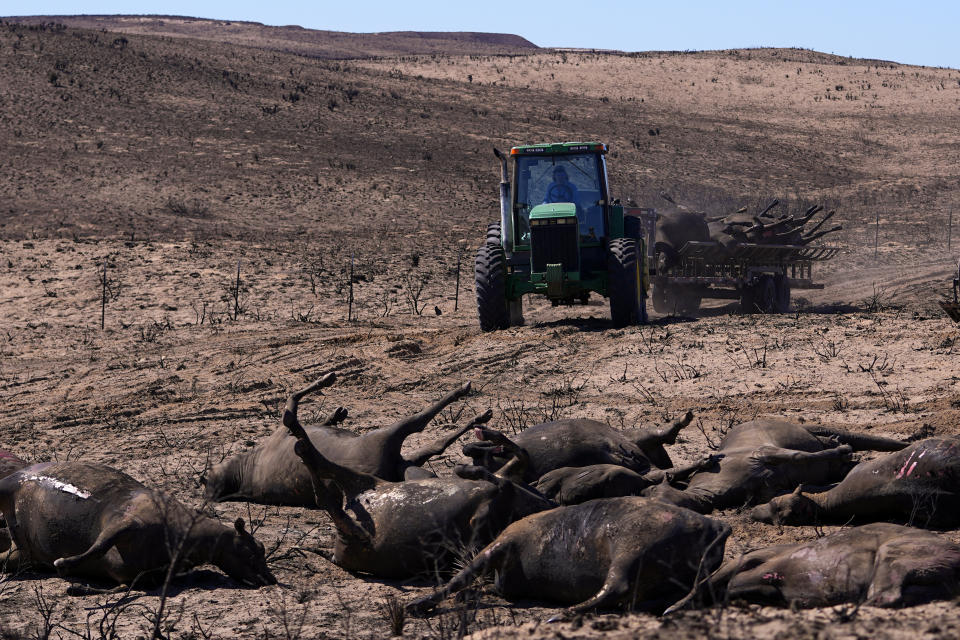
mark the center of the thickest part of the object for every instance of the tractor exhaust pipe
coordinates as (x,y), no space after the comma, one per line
(506,219)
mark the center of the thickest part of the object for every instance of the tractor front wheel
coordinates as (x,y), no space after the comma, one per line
(493,234)
(491,287)
(627,302)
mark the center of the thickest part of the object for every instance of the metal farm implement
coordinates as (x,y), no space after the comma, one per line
(952,309)
(761,276)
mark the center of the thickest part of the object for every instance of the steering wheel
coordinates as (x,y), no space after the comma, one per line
(560,193)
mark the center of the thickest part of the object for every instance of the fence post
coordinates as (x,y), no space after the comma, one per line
(103,295)
(236,296)
(456,294)
(350,301)
(876,238)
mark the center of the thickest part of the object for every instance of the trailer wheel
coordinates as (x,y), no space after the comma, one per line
(759,297)
(688,301)
(679,299)
(782,290)
(659,296)
(491,287)
(624,283)
(767,301)
(747,299)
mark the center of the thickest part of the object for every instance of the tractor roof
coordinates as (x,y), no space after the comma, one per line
(556,148)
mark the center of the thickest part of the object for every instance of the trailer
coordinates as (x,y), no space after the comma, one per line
(762,276)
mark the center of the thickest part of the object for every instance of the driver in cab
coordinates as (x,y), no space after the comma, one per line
(561,189)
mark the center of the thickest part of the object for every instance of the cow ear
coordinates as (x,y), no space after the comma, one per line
(238,524)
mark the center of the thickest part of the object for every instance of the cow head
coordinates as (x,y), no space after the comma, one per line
(221,481)
(242,557)
(794,508)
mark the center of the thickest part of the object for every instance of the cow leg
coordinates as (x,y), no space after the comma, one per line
(859,441)
(776,455)
(339,415)
(11,559)
(5,540)
(484,454)
(686,499)
(104,542)
(472,472)
(493,557)
(677,474)
(515,468)
(347,528)
(78,590)
(909,572)
(17,549)
(615,589)
(651,437)
(757,593)
(658,456)
(438,446)
(293,402)
(322,469)
(399,431)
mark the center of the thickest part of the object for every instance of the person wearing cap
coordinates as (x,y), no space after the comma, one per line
(561,189)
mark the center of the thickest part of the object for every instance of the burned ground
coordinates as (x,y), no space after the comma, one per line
(166,162)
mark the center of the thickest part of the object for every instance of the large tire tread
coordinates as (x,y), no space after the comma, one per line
(491,288)
(494,234)
(624,286)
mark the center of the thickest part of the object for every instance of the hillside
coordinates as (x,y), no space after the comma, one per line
(313,43)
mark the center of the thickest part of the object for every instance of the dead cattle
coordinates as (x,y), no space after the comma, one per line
(630,551)
(767,457)
(93,521)
(580,442)
(271,473)
(573,485)
(880,564)
(400,529)
(919,485)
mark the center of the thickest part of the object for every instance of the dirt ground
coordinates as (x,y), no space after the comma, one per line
(170,164)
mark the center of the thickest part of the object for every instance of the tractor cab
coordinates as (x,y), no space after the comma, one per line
(548,175)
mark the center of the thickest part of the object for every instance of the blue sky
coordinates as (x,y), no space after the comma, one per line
(920,32)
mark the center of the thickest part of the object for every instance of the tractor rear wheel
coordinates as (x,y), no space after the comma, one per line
(491,287)
(624,283)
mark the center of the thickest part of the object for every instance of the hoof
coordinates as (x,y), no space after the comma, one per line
(62,565)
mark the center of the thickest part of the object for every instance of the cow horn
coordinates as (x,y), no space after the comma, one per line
(797,491)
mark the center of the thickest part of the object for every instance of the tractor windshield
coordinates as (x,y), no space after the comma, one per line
(574,178)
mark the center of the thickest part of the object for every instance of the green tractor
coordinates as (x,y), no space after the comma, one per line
(561,235)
